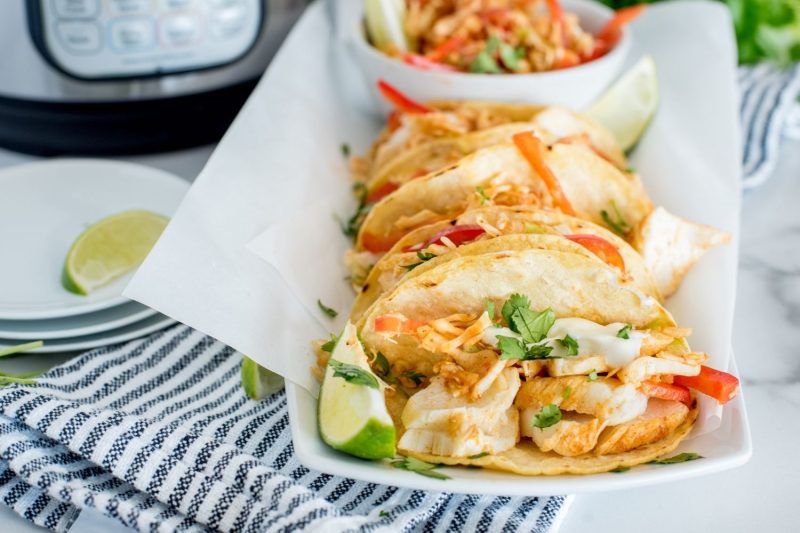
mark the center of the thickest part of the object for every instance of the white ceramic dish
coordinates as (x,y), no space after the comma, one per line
(115,336)
(45,206)
(76,325)
(260,179)
(573,87)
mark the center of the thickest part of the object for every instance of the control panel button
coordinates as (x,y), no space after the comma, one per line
(180,30)
(79,37)
(130,7)
(71,9)
(227,22)
(130,35)
(177,4)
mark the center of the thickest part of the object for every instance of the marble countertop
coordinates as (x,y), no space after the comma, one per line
(757,496)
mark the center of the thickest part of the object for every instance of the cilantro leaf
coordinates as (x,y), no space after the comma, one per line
(424,256)
(514,301)
(680,458)
(353,224)
(418,467)
(538,351)
(484,62)
(510,56)
(345,149)
(548,416)
(624,333)
(511,348)
(570,344)
(330,345)
(333,313)
(353,374)
(482,193)
(619,225)
(382,365)
(490,309)
(592,376)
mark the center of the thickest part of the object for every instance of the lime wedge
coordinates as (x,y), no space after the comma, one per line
(629,105)
(352,411)
(110,248)
(257,381)
(384,20)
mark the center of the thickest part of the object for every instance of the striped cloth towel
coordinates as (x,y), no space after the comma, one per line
(158,435)
(769,109)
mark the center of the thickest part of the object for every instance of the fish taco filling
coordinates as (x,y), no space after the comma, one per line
(480,384)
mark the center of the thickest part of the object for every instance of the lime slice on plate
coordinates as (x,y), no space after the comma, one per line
(384,20)
(110,248)
(629,105)
(257,381)
(352,412)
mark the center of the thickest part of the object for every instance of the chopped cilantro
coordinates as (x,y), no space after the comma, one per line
(592,376)
(353,374)
(566,392)
(490,309)
(419,467)
(482,193)
(478,455)
(531,325)
(353,224)
(383,513)
(484,62)
(330,345)
(570,344)
(333,313)
(511,348)
(382,365)
(548,416)
(510,56)
(624,333)
(680,458)
(619,225)
(345,149)
(424,256)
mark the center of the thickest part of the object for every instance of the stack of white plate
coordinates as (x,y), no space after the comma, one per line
(44,206)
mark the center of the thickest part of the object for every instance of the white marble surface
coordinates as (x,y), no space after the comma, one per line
(761,496)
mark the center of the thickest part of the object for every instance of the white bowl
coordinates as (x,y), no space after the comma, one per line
(573,87)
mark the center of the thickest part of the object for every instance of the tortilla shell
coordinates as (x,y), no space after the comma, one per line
(572,284)
(527,460)
(591,184)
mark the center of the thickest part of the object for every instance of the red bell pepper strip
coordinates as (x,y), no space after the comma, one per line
(439,53)
(601,248)
(666,391)
(532,149)
(458,235)
(384,190)
(423,63)
(715,383)
(396,324)
(400,101)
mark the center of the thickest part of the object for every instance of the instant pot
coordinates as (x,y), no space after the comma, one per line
(101,77)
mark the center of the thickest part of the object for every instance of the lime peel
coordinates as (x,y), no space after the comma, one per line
(352,417)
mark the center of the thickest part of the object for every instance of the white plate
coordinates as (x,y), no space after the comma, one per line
(125,333)
(45,206)
(77,325)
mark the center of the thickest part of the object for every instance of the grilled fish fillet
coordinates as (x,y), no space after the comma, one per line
(574,434)
(457,426)
(646,367)
(659,420)
(608,399)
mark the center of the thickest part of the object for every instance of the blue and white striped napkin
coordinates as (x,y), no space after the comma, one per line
(769,109)
(158,435)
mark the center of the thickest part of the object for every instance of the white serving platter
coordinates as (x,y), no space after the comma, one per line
(281,161)
(45,205)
